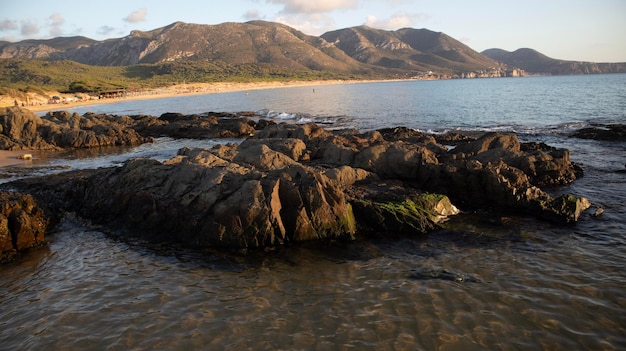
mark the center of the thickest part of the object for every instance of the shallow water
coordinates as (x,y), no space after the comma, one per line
(528,284)
(538,287)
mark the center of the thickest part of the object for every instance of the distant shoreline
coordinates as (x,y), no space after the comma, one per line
(11,158)
(179,90)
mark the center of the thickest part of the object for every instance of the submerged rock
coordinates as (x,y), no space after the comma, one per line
(611,132)
(442,274)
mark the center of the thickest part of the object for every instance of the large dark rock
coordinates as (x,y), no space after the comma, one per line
(612,132)
(22,224)
(22,129)
(200,126)
(291,183)
(199,198)
(18,130)
(493,171)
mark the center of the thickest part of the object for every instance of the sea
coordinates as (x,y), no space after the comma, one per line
(487,282)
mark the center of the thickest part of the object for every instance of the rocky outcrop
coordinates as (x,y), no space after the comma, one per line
(493,171)
(291,183)
(18,128)
(22,224)
(203,198)
(611,132)
(208,125)
(21,129)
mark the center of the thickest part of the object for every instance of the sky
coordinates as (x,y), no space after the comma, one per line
(589,30)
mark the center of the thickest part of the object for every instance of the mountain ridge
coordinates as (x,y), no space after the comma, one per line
(269,43)
(402,53)
(535,62)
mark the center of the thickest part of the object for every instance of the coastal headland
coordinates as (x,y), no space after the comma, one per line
(283,183)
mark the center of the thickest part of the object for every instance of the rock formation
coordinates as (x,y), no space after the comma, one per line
(21,129)
(290,183)
(611,132)
(22,224)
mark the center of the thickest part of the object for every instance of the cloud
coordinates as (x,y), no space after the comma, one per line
(314,24)
(8,25)
(56,31)
(396,21)
(105,30)
(252,15)
(55,21)
(29,28)
(310,7)
(137,16)
(10,38)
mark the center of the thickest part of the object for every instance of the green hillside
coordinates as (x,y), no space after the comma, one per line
(69,76)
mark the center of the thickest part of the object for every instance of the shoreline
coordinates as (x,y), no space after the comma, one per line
(11,158)
(184,90)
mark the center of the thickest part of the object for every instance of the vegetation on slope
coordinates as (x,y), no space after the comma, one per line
(22,75)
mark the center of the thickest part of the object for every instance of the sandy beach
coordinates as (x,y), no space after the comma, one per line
(39,104)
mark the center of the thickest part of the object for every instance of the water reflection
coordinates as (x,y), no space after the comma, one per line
(332,296)
(55,162)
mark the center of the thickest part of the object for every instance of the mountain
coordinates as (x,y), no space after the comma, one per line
(37,49)
(408,48)
(234,43)
(534,62)
(362,50)
(353,50)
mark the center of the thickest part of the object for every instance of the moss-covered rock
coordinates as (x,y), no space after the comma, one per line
(419,214)
(565,208)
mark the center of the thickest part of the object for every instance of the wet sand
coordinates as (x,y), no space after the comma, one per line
(10,158)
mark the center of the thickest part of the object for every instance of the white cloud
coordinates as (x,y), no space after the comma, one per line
(8,25)
(29,28)
(310,7)
(55,21)
(10,38)
(252,15)
(314,24)
(137,16)
(396,21)
(56,31)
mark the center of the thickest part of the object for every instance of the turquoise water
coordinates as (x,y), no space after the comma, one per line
(537,286)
